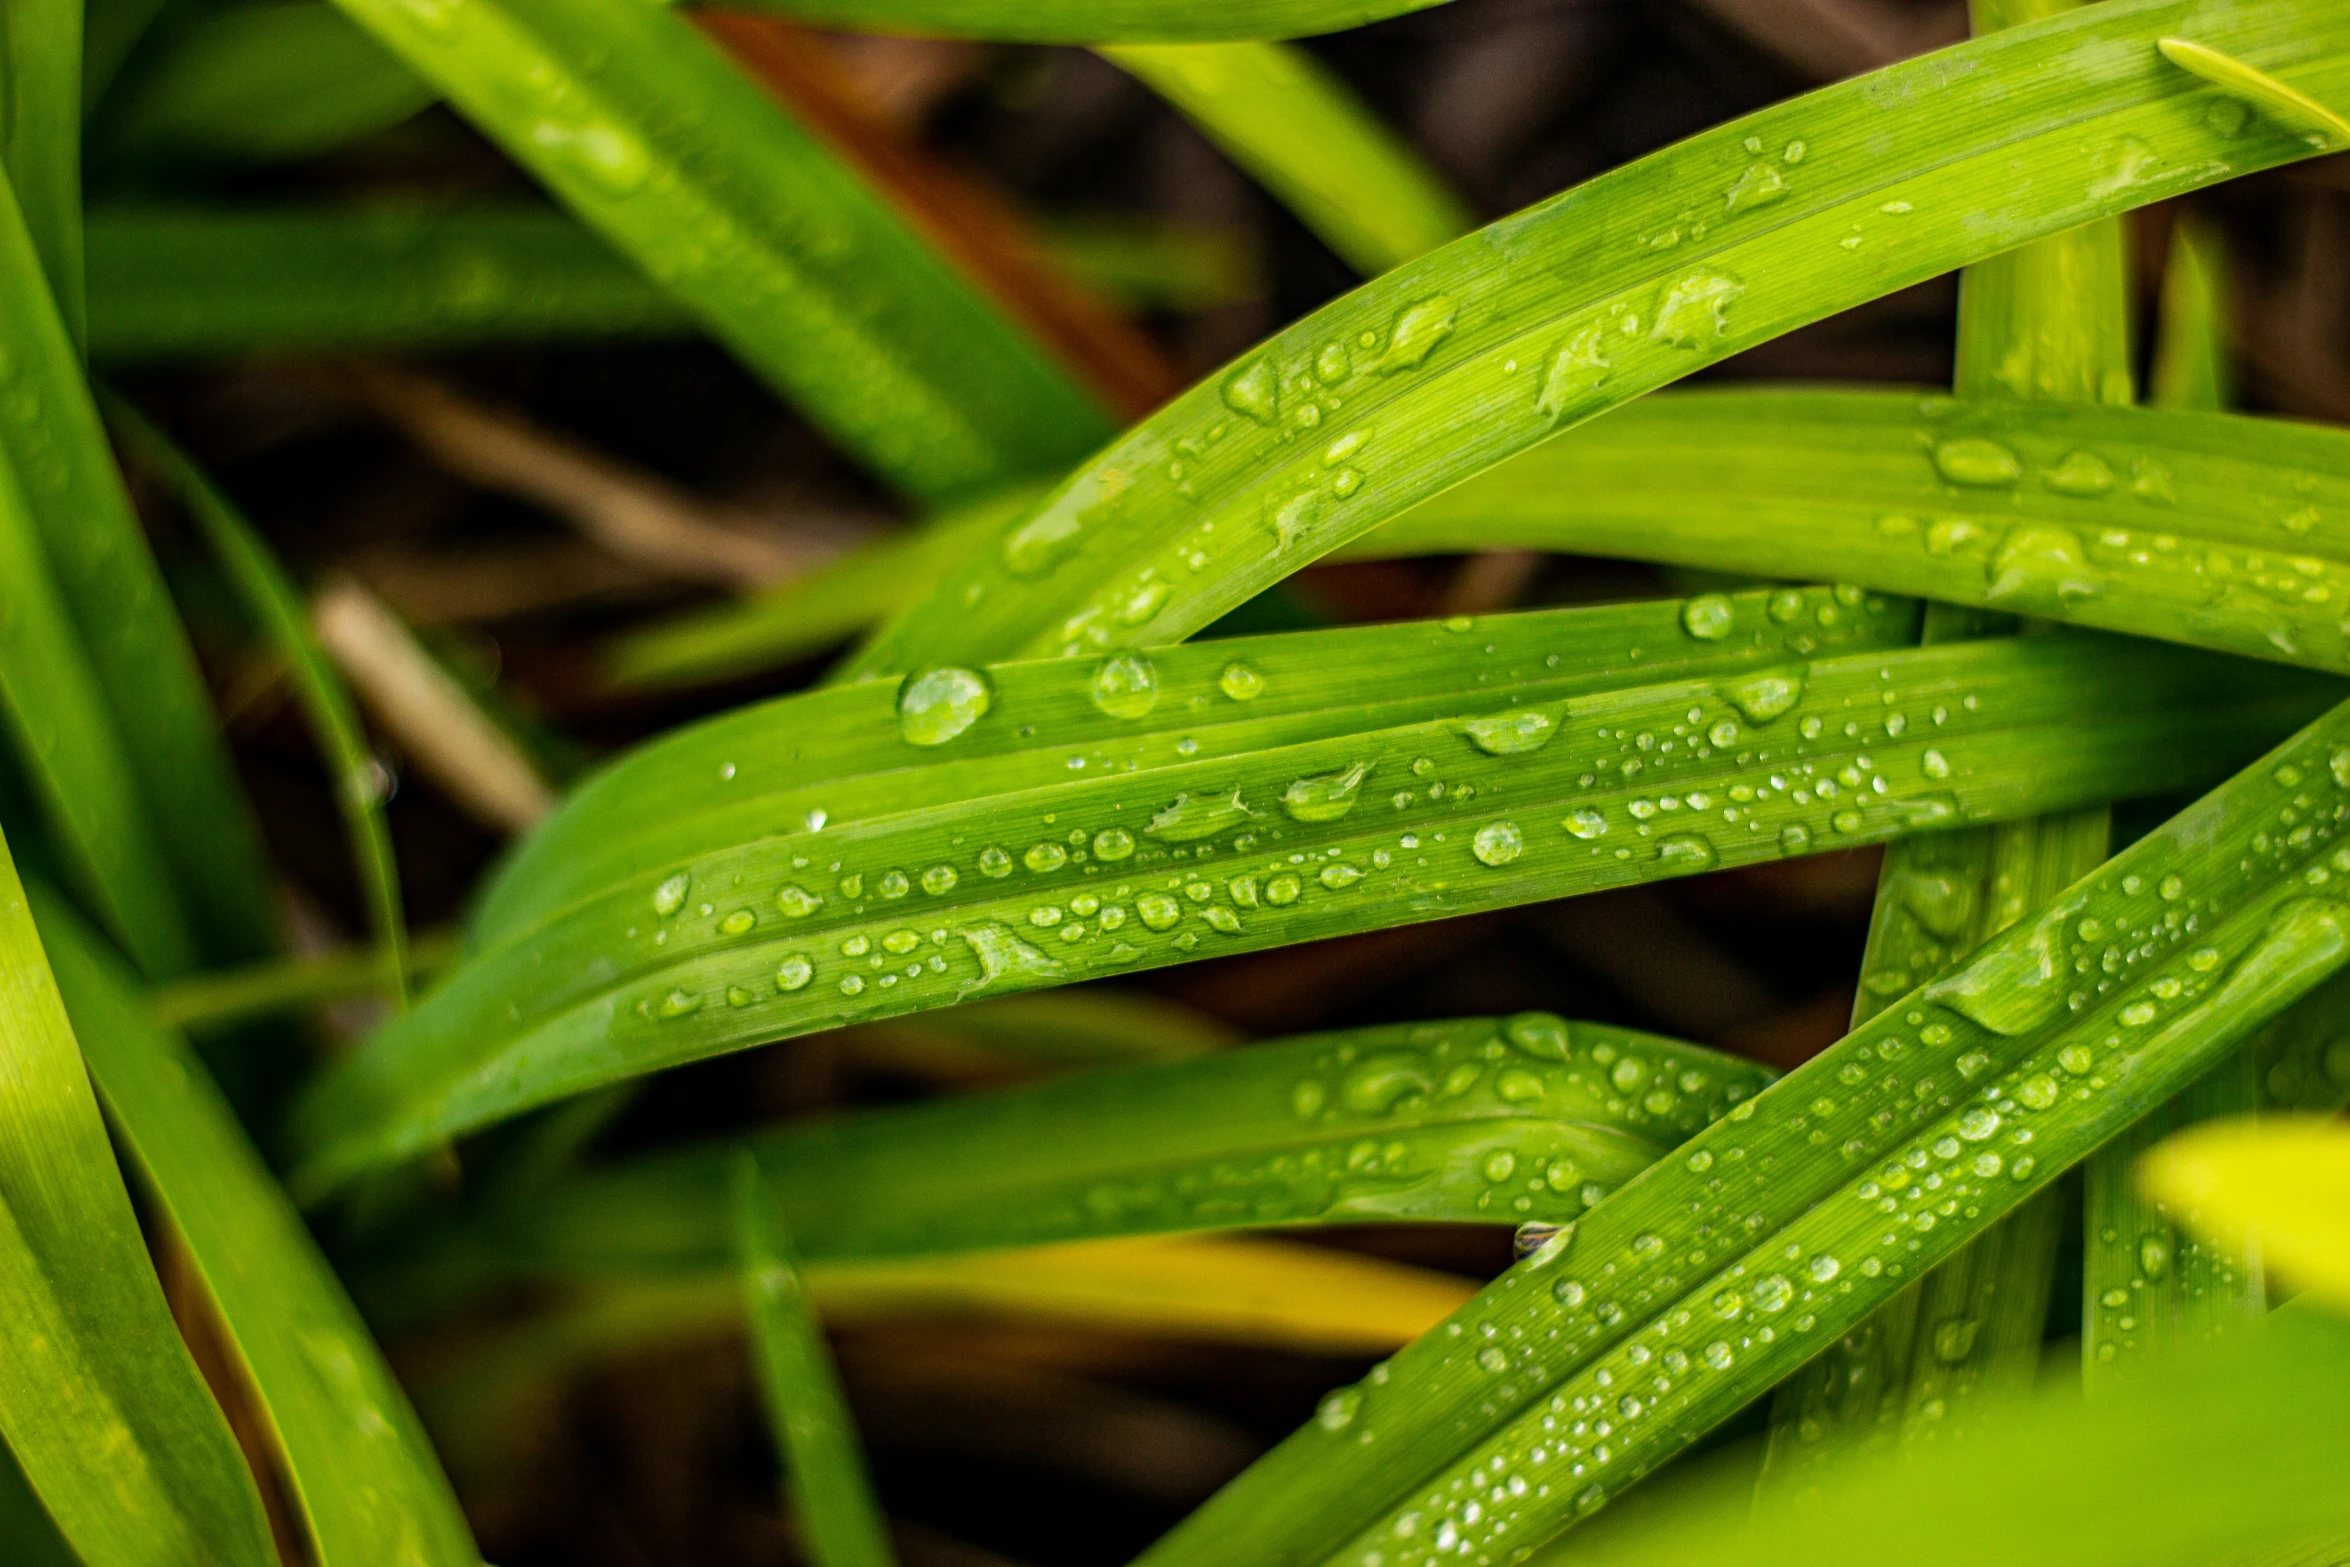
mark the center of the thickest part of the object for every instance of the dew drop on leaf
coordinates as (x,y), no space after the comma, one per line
(1126,686)
(1498,843)
(936,706)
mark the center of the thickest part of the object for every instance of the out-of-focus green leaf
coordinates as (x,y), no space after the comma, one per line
(229,996)
(2194,351)
(41,137)
(362,1473)
(1303,135)
(1096,21)
(99,1399)
(27,1536)
(824,1471)
(1450,364)
(780,250)
(2277,1188)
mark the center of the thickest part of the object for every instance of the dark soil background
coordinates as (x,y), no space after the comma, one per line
(1002,1440)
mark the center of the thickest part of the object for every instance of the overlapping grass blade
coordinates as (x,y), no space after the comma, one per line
(1711,1276)
(2194,356)
(1448,365)
(26,1534)
(276,606)
(2274,1187)
(363,1475)
(824,1470)
(99,1400)
(51,437)
(1526,1119)
(941,882)
(1096,21)
(1306,138)
(229,996)
(781,251)
(2218,530)
(256,81)
(41,138)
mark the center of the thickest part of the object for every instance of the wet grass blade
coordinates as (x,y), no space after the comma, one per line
(51,436)
(1016,871)
(275,605)
(2217,530)
(824,1470)
(257,81)
(782,252)
(1527,1119)
(99,1400)
(1094,21)
(1450,364)
(1302,134)
(1716,1273)
(363,1475)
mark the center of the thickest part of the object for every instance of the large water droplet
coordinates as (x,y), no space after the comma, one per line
(1195,816)
(1575,371)
(1942,903)
(2083,474)
(1543,1035)
(1586,824)
(1126,686)
(1684,853)
(1498,843)
(1002,953)
(1977,463)
(2016,984)
(1377,1085)
(940,704)
(2041,568)
(2305,941)
(1240,682)
(1691,310)
(1255,390)
(669,897)
(1759,186)
(1512,733)
(1709,617)
(1955,1338)
(1338,1409)
(1766,694)
(611,157)
(1418,330)
(1325,798)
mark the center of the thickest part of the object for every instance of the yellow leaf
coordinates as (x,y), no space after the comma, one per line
(2277,1186)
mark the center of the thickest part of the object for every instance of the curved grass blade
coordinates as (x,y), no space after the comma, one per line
(41,137)
(1304,136)
(2217,530)
(2297,110)
(51,435)
(259,81)
(2194,349)
(1096,21)
(222,998)
(825,1472)
(276,607)
(1527,1119)
(1714,1274)
(98,1398)
(958,891)
(778,249)
(362,1472)
(1448,365)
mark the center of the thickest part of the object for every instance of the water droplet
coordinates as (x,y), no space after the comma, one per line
(1041,543)
(739,921)
(2040,568)
(794,972)
(679,1003)
(2083,474)
(936,706)
(1240,682)
(1325,798)
(1126,686)
(1417,331)
(611,157)
(1338,1409)
(2154,1256)
(1954,1339)
(1977,463)
(1766,694)
(1112,843)
(1823,1268)
(1194,816)
(1719,1356)
(1934,765)
(1586,824)
(1045,857)
(1511,734)
(1381,1082)
(939,880)
(1691,310)
(1493,1358)
(994,863)
(1338,877)
(1942,903)
(1685,853)
(1576,370)
(1498,843)
(1254,390)
(1283,890)
(1540,1034)
(1709,617)
(669,897)
(1794,838)
(1772,1292)
(1759,186)
(1978,1122)
(1002,953)
(2014,985)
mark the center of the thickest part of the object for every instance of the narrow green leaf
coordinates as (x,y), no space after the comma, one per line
(2296,109)
(277,609)
(1450,364)
(51,435)
(2272,1187)
(1526,1119)
(1711,1276)
(801,1391)
(1096,21)
(2218,530)
(362,1472)
(257,80)
(1306,138)
(41,137)
(98,1397)
(227,996)
(2194,348)
(1015,870)
(773,244)
(27,1536)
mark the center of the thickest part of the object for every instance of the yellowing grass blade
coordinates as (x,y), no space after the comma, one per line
(2275,1188)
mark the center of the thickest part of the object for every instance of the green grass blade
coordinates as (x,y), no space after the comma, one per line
(2218,530)
(2195,346)
(50,432)
(781,251)
(224,997)
(950,888)
(1709,1278)
(276,607)
(98,1398)
(363,1475)
(1478,1120)
(2294,109)
(27,1536)
(255,81)
(41,137)
(1306,138)
(1450,364)
(800,1389)
(1096,21)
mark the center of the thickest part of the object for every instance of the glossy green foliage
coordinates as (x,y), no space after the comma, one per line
(2194,354)
(1308,140)
(825,1472)
(1078,841)
(362,1473)
(2223,531)
(41,137)
(1097,21)
(1450,364)
(256,81)
(778,249)
(99,1400)
(51,438)
(1480,1120)
(1709,1278)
